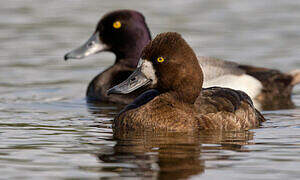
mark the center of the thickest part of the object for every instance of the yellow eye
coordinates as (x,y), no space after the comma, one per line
(160,59)
(117,24)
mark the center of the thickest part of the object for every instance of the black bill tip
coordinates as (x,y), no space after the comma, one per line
(113,90)
(66,57)
(136,80)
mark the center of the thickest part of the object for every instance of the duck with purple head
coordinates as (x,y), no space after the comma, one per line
(169,65)
(123,33)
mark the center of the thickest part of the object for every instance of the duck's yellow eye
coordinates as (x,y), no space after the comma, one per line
(117,24)
(160,59)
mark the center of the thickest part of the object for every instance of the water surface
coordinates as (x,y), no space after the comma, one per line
(48,131)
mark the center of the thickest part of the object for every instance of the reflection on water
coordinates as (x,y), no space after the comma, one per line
(169,155)
(48,131)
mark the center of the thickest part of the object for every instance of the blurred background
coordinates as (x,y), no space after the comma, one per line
(46,129)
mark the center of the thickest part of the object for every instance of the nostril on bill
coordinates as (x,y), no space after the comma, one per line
(133,79)
(90,44)
(66,57)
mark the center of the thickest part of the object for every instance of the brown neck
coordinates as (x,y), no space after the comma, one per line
(129,62)
(188,88)
(186,84)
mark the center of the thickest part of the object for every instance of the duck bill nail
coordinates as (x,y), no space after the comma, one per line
(92,46)
(136,80)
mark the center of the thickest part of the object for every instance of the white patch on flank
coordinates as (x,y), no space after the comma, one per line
(246,83)
(148,70)
(228,74)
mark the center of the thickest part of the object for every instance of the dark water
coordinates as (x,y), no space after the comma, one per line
(47,131)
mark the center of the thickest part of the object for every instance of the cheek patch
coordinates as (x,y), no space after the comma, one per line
(140,63)
(149,71)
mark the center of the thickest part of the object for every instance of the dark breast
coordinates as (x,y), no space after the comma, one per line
(97,89)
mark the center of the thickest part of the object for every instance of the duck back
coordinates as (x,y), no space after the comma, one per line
(277,87)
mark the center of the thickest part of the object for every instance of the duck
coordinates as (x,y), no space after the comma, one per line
(124,33)
(269,89)
(177,101)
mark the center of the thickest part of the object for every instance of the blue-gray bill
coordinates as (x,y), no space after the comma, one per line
(92,46)
(136,80)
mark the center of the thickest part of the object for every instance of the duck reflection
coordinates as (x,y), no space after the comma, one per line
(99,109)
(168,155)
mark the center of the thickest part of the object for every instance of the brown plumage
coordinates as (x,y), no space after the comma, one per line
(127,43)
(277,86)
(227,109)
(182,104)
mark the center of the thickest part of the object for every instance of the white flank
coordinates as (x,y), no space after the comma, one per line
(246,83)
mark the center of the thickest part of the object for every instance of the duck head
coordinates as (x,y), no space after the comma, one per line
(167,64)
(123,32)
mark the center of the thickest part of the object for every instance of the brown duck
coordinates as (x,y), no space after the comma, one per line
(178,103)
(125,33)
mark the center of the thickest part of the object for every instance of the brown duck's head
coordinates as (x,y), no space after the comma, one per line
(168,64)
(123,32)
